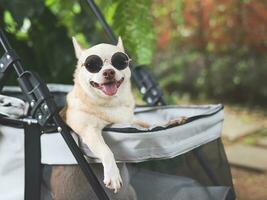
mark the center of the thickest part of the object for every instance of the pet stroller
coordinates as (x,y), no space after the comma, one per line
(163,162)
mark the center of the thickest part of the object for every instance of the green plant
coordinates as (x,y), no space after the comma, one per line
(41,31)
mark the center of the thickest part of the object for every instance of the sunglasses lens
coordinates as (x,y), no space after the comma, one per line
(93,63)
(120,60)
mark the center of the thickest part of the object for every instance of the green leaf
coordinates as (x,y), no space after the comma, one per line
(133,22)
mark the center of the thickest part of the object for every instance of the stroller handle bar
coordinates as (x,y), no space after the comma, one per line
(102,21)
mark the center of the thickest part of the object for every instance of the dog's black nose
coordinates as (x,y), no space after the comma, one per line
(109,74)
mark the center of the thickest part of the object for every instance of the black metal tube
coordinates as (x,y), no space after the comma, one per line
(4,42)
(102,21)
(32,159)
(7,47)
(76,151)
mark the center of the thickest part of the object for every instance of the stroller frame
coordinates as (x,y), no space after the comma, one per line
(44,113)
(43,109)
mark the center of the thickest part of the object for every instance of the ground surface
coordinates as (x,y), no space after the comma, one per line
(249,183)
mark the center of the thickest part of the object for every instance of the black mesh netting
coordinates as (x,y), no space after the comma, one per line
(201,174)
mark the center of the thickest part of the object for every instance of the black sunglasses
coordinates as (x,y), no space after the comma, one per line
(94,63)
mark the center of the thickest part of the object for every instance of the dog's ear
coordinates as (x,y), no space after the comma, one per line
(120,44)
(77,48)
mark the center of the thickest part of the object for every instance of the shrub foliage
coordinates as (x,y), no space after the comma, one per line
(214,49)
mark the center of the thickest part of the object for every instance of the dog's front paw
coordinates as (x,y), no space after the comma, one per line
(177,121)
(112,179)
(141,123)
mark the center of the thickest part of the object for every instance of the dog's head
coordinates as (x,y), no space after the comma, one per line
(103,69)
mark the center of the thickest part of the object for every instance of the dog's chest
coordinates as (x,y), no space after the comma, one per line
(118,114)
(120,110)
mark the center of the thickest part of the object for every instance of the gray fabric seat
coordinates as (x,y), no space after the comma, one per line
(131,144)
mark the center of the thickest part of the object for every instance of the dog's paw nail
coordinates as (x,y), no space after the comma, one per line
(114,182)
(178,121)
(107,183)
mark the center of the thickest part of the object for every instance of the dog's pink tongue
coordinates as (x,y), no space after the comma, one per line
(109,89)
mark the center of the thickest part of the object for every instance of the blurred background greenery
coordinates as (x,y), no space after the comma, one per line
(197,49)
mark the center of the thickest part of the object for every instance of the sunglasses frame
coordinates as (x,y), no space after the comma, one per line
(103,61)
